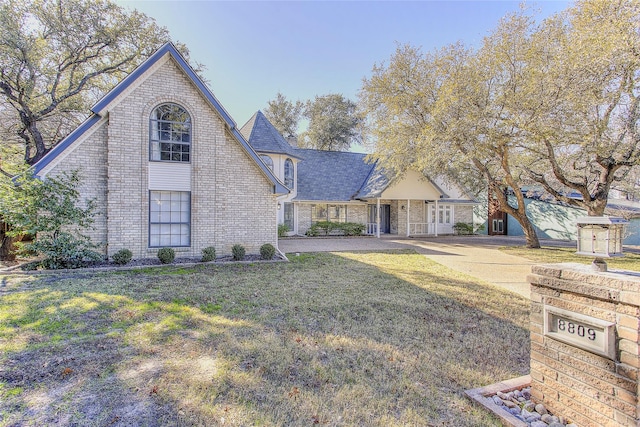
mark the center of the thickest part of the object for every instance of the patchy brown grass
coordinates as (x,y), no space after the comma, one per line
(381,339)
(546,255)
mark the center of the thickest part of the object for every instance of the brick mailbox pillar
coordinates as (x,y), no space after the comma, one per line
(584,343)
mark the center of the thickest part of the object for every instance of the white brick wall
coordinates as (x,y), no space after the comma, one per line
(91,162)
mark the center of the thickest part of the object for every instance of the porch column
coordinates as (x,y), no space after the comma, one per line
(408,217)
(436,219)
(378,217)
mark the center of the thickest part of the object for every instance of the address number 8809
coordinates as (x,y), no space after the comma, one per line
(577,329)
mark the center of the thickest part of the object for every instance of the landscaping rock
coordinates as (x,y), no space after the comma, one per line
(535,415)
(541,409)
(510,404)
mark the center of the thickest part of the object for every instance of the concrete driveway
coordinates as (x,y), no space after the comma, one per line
(477,256)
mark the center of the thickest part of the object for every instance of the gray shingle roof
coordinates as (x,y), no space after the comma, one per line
(322,175)
(375,184)
(264,138)
(331,175)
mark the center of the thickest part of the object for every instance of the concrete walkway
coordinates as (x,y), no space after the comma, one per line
(477,256)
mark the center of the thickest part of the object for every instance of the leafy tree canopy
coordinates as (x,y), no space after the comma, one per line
(284,115)
(554,104)
(333,123)
(57,57)
(581,106)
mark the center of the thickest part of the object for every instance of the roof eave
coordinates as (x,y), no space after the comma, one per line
(66,142)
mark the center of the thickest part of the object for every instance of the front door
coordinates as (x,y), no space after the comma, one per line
(385,217)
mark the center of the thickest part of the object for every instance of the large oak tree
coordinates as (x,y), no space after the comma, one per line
(583,102)
(333,123)
(553,105)
(57,57)
(451,112)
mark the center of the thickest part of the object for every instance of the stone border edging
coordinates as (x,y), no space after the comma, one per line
(479,397)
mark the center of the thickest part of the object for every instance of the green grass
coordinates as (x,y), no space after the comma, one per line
(376,339)
(546,255)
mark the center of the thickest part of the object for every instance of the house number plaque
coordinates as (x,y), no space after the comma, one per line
(585,332)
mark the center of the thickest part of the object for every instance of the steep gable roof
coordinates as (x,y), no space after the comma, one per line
(264,137)
(100,108)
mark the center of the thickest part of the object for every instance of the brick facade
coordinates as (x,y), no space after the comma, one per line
(357,213)
(464,213)
(91,162)
(590,389)
(232,200)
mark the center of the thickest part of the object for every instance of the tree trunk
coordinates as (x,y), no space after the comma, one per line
(7,246)
(519,213)
(597,206)
(33,139)
(529,231)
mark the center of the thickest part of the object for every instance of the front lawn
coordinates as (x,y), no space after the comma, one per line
(546,255)
(351,339)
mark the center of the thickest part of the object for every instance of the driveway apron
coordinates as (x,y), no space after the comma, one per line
(477,256)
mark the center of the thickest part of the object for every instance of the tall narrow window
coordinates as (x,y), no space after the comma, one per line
(444,214)
(288,173)
(267,161)
(169,218)
(170,134)
(288,215)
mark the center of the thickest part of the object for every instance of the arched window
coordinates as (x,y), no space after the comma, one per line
(170,134)
(267,161)
(288,173)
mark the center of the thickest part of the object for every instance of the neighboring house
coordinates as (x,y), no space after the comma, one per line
(554,220)
(344,187)
(168,167)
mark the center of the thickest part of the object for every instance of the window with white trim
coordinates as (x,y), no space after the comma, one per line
(444,214)
(169,218)
(332,213)
(170,134)
(288,173)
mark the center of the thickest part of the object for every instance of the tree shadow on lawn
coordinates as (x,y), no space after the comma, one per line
(328,339)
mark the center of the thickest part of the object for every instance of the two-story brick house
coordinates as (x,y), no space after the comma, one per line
(168,167)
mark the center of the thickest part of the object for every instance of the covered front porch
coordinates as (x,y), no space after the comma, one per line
(415,205)
(413,217)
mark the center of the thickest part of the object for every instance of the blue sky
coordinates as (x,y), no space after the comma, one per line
(253,50)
